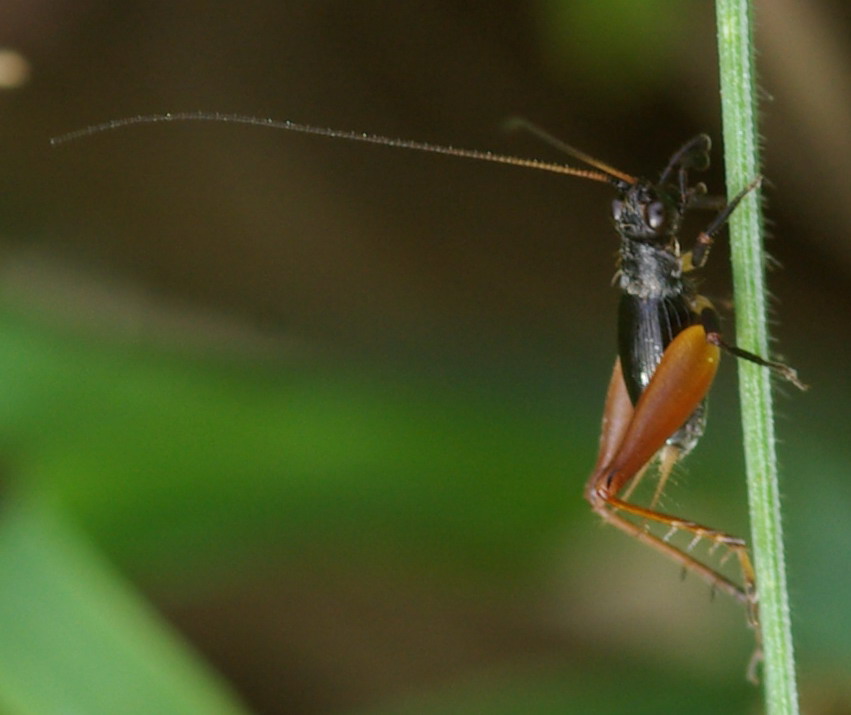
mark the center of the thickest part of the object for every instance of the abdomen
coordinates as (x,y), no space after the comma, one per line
(645,328)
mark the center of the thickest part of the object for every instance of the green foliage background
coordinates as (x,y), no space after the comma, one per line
(295,426)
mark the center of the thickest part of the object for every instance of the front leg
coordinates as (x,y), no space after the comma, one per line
(698,255)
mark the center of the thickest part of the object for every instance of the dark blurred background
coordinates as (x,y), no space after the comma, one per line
(315,416)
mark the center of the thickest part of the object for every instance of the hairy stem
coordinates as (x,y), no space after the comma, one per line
(741,146)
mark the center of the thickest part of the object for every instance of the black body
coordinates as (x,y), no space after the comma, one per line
(657,300)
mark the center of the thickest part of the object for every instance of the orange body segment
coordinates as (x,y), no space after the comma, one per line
(617,415)
(680,382)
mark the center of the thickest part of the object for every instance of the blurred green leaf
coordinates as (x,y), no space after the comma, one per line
(170,460)
(76,638)
(621,46)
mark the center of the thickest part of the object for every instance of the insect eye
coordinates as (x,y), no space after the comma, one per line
(617,209)
(656,215)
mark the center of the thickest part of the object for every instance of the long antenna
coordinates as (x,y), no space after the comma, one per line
(544,135)
(604,174)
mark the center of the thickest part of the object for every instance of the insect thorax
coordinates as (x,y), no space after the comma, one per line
(649,271)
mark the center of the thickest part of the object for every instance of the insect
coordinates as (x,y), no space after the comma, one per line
(669,340)
(669,346)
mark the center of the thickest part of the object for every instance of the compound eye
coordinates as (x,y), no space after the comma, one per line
(656,215)
(617,209)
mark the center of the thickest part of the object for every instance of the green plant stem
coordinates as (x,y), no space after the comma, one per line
(741,146)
